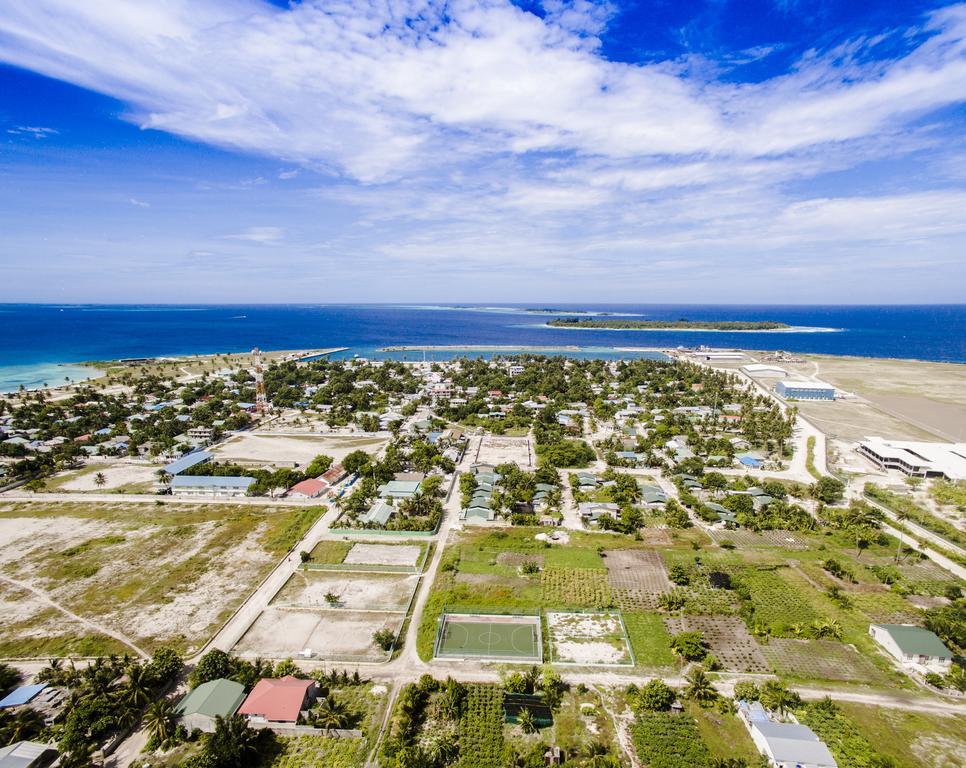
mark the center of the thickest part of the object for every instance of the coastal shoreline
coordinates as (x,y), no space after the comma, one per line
(790,329)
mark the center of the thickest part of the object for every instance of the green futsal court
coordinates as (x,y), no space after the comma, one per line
(483,636)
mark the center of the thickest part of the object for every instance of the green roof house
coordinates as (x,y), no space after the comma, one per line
(209,700)
(914,647)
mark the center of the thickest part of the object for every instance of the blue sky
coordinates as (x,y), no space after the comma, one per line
(723,151)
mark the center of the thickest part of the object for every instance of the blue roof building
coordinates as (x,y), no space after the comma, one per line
(22,695)
(187,461)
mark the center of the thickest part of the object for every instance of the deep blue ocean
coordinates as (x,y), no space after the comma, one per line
(36,339)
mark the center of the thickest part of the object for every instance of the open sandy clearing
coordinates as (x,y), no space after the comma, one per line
(280,449)
(588,638)
(384,554)
(116,475)
(156,575)
(502,450)
(281,633)
(354,591)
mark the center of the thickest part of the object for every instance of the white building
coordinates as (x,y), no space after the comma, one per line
(215,487)
(946,460)
(790,745)
(914,647)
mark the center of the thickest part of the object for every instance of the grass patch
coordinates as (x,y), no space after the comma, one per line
(650,640)
(911,739)
(723,734)
(330,551)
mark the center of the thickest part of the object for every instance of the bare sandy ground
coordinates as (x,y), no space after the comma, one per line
(930,397)
(501,450)
(354,591)
(592,638)
(116,475)
(282,449)
(282,633)
(383,554)
(212,579)
(855,419)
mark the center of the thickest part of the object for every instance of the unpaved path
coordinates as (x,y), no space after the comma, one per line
(100,629)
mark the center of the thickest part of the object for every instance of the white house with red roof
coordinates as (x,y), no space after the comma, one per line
(278,700)
(307,489)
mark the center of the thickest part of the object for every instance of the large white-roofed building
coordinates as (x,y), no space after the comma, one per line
(917,459)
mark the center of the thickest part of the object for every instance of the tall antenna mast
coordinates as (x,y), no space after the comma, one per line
(261,402)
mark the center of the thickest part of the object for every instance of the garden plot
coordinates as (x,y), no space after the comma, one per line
(259,448)
(516,559)
(745,539)
(384,554)
(590,639)
(502,450)
(727,637)
(349,590)
(887,608)
(576,588)
(281,633)
(637,577)
(822,660)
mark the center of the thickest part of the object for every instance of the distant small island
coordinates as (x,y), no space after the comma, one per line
(669,325)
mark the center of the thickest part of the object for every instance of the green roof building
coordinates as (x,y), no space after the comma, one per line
(914,647)
(209,700)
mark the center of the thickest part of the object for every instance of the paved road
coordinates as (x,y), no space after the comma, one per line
(923,534)
(258,601)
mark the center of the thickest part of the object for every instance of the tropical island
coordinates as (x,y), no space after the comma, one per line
(669,325)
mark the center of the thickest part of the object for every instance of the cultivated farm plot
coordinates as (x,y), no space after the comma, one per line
(576,588)
(501,450)
(353,591)
(745,539)
(728,638)
(284,450)
(887,608)
(637,577)
(589,639)
(822,660)
(281,633)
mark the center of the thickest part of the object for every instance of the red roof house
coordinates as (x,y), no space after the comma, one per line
(278,701)
(333,474)
(307,489)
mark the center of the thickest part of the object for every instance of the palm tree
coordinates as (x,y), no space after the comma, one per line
(159,720)
(777,697)
(699,687)
(233,742)
(24,725)
(528,723)
(331,713)
(823,629)
(901,517)
(100,480)
(137,692)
